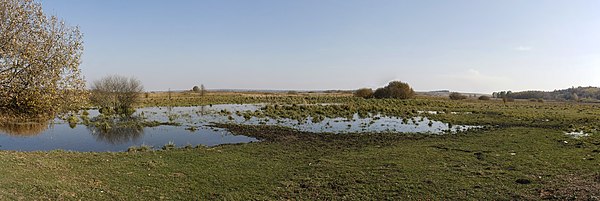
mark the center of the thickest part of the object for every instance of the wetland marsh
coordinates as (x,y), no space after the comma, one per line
(193,126)
(294,156)
(296,106)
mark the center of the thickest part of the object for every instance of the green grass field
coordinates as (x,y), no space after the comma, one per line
(512,161)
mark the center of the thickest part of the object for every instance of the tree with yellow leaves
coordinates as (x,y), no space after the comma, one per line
(39,62)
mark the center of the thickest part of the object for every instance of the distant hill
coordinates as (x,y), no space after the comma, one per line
(576,94)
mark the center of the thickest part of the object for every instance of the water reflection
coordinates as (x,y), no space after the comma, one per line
(202,110)
(116,130)
(30,128)
(92,131)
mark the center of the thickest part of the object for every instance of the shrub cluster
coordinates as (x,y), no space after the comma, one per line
(116,94)
(395,89)
(364,93)
(200,90)
(457,96)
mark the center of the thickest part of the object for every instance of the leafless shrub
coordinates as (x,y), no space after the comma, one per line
(116,93)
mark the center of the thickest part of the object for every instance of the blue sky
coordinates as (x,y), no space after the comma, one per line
(460,45)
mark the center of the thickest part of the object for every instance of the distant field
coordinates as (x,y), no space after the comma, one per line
(189,98)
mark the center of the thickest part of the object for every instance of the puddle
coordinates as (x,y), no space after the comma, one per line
(375,124)
(577,134)
(80,138)
(429,112)
(193,129)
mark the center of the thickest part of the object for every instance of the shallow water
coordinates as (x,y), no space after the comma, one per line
(194,129)
(80,138)
(579,134)
(201,116)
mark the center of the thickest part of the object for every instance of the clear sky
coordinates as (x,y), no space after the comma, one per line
(460,45)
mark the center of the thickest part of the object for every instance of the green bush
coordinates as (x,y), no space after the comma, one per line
(395,89)
(484,98)
(381,93)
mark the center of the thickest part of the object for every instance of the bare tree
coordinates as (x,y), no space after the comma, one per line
(116,92)
(202,90)
(39,62)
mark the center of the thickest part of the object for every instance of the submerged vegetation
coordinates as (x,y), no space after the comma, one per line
(556,115)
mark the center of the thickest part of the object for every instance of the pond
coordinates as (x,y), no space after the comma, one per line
(81,138)
(190,126)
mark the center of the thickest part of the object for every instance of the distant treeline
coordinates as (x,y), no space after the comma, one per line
(574,94)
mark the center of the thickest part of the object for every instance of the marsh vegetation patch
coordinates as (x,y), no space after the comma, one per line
(191,126)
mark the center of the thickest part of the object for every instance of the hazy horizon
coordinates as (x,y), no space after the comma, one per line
(466,46)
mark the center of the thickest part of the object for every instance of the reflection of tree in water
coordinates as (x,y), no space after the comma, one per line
(116,130)
(30,128)
(203,110)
